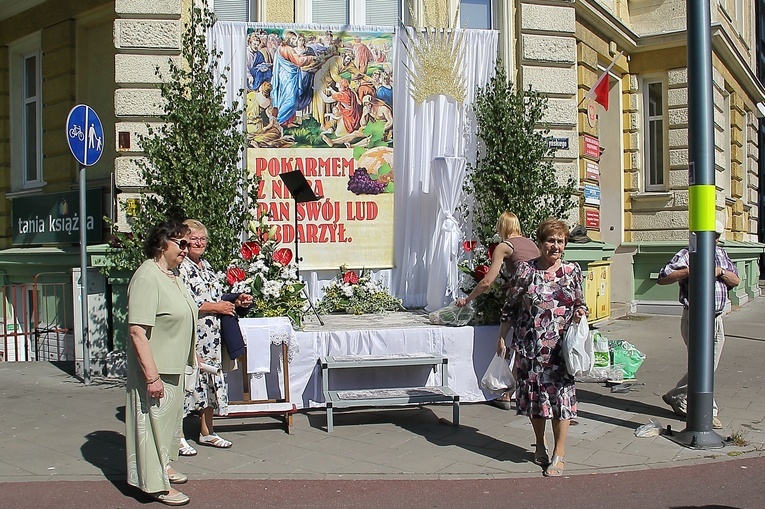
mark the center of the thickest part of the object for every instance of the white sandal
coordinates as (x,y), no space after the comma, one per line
(186,449)
(215,441)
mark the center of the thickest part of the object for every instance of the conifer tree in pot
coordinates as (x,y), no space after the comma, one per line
(192,169)
(514,170)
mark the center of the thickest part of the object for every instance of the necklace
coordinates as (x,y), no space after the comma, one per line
(169,273)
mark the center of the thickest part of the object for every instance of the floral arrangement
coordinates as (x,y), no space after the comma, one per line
(356,294)
(269,274)
(474,267)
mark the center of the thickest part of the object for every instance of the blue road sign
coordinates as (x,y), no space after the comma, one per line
(85,134)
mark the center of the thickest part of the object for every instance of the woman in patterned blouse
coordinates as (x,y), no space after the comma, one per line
(550,295)
(206,287)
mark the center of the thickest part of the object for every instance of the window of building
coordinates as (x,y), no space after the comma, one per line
(739,15)
(235,10)
(26,115)
(476,14)
(656,153)
(724,181)
(354,12)
(745,156)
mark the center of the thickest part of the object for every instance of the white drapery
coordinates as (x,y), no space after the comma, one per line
(443,277)
(439,127)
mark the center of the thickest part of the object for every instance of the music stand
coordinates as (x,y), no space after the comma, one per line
(301,192)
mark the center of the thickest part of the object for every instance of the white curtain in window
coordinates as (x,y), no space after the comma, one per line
(437,128)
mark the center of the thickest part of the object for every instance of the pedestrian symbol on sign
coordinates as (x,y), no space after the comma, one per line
(86,147)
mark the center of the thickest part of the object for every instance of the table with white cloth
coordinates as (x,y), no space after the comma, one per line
(469,350)
(262,384)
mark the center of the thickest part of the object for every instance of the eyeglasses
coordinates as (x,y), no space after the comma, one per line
(201,240)
(182,243)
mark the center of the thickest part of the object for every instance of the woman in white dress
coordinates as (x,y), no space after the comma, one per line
(206,288)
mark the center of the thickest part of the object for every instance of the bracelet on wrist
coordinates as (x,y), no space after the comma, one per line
(152,380)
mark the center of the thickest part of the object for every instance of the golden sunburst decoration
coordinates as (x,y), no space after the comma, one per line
(435,51)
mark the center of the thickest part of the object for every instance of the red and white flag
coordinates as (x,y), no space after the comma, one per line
(600,89)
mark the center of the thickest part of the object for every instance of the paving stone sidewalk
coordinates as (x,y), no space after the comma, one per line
(54,427)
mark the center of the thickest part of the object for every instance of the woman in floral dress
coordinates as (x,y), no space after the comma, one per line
(551,298)
(206,287)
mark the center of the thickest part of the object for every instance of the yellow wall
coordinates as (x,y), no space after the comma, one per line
(58,23)
(280,11)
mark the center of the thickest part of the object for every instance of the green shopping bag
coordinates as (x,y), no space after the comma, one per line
(626,355)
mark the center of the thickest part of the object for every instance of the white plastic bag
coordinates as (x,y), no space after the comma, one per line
(650,430)
(577,348)
(453,315)
(498,377)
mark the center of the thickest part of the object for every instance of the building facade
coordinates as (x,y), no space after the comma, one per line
(631,159)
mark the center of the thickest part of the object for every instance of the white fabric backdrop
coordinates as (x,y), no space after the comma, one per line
(438,127)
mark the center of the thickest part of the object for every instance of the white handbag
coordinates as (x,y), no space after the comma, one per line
(191,378)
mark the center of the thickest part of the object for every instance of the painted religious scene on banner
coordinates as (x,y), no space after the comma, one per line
(322,102)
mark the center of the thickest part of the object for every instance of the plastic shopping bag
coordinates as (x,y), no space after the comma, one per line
(577,348)
(627,355)
(453,315)
(498,377)
(602,352)
(650,430)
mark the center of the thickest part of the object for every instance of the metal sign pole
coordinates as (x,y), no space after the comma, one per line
(85,136)
(698,433)
(84,279)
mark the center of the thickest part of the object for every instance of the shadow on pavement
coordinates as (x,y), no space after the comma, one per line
(67,367)
(233,423)
(624,405)
(733,336)
(422,421)
(712,506)
(440,432)
(106,450)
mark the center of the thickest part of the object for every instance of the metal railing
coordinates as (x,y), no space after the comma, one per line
(37,320)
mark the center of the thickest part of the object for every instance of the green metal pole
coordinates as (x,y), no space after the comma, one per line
(698,432)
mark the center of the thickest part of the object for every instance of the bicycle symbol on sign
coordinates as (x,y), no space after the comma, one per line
(76,132)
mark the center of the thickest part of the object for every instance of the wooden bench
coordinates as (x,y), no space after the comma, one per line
(386,396)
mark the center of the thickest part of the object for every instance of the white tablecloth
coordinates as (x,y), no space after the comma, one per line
(469,350)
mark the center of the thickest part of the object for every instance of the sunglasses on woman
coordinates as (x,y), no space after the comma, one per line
(182,243)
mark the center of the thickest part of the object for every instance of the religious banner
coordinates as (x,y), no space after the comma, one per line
(322,103)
